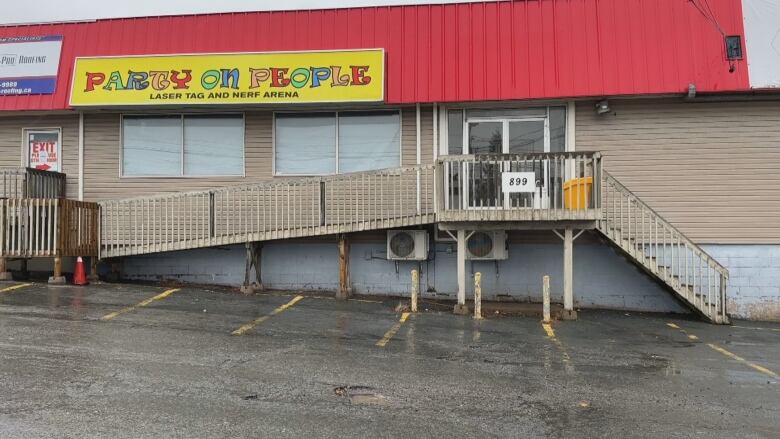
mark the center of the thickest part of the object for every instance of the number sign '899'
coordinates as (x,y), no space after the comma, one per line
(512,182)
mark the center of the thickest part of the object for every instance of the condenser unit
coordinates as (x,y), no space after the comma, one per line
(407,245)
(487,246)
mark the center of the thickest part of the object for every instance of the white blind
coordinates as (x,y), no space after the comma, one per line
(214,145)
(369,141)
(151,146)
(306,144)
(175,146)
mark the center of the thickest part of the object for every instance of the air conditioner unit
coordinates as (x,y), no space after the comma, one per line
(487,246)
(407,245)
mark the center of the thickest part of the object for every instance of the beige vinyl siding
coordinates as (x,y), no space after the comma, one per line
(426,135)
(11,143)
(409,135)
(103,151)
(710,168)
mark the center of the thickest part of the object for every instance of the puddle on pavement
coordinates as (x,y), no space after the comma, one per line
(360,395)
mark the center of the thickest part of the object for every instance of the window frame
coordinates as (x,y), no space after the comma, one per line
(26,144)
(274,171)
(182,175)
(444,147)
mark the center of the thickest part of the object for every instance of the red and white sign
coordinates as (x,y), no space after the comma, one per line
(44,147)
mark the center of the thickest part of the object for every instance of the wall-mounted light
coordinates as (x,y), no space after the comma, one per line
(602,107)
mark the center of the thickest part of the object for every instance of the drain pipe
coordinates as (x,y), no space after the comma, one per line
(81,156)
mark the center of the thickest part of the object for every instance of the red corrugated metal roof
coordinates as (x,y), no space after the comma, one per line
(525,49)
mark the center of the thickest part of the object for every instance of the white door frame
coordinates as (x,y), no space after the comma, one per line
(541,197)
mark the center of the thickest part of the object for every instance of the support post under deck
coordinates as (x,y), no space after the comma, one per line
(93,269)
(254,257)
(57,278)
(568,275)
(344,289)
(4,273)
(461,308)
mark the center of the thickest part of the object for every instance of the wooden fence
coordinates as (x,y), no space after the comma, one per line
(35,227)
(31,183)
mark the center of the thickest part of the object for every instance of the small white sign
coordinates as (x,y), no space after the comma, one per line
(512,182)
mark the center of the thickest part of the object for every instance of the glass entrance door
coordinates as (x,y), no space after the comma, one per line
(529,137)
(484,179)
(505,135)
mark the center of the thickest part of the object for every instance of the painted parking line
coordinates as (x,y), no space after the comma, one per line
(755,328)
(14,288)
(727,353)
(391,333)
(548,329)
(736,357)
(141,304)
(251,325)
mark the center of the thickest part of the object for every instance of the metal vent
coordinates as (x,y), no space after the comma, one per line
(480,244)
(402,244)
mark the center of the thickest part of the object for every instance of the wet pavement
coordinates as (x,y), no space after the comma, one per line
(145,361)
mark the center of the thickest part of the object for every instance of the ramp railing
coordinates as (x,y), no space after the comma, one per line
(268,210)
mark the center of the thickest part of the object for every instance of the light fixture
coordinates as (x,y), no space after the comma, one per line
(602,107)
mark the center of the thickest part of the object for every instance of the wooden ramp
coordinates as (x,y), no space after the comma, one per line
(271,210)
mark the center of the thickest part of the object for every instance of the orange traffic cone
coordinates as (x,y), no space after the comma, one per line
(80,275)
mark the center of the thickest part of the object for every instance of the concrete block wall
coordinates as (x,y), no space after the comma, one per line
(754,279)
(603,279)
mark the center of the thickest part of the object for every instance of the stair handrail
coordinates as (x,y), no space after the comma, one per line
(712,262)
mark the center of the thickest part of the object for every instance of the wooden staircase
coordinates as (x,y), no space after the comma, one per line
(661,250)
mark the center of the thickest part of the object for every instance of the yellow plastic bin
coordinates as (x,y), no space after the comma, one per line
(576,193)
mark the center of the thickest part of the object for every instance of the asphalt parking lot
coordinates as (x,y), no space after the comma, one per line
(115,360)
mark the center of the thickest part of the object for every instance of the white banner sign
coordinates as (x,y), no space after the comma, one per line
(512,182)
(28,65)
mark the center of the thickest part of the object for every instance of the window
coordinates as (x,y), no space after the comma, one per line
(183,145)
(43,149)
(455,131)
(337,142)
(306,144)
(369,141)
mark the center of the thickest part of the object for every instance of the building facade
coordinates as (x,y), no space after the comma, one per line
(307,139)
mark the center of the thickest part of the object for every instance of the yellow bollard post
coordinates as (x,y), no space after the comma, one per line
(478,296)
(546,298)
(415,289)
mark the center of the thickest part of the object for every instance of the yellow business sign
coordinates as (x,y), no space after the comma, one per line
(236,78)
